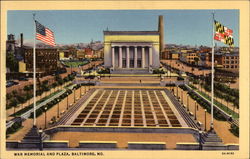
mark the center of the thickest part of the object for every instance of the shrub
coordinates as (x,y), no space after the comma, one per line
(179,78)
(170,85)
(14,128)
(234,129)
(158,71)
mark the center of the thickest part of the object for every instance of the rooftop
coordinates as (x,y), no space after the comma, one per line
(131,33)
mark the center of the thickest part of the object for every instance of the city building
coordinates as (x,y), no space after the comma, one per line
(64,55)
(132,49)
(46,60)
(80,54)
(98,53)
(230,61)
(189,56)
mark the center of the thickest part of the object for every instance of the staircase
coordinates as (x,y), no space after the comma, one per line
(32,140)
(211,141)
(130,71)
(129,84)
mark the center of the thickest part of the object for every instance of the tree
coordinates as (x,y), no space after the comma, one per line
(21,99)
(8,97)
(54,85)
(11,62)
(14,103)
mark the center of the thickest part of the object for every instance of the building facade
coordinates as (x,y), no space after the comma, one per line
(46,60)
(131,49)
(230,61)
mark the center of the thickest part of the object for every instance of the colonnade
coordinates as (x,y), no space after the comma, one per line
(135,58)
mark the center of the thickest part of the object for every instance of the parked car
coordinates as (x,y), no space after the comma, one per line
(23,79)
(11,83)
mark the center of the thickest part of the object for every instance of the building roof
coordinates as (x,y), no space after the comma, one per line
(131,33)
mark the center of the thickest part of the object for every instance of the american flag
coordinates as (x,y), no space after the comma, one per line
(44,34)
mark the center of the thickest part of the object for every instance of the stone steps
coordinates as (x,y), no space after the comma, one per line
(212,141)
(129,84)
(33,136)
(130,71)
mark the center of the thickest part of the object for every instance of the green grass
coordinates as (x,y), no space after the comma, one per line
(222,106)
(75,64)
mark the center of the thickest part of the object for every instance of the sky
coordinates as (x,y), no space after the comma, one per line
(186,27)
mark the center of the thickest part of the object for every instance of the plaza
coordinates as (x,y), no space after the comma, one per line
(121,107)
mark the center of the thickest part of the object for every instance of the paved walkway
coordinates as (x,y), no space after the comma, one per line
(123,138)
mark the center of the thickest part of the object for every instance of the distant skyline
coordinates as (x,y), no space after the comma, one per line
(186,27)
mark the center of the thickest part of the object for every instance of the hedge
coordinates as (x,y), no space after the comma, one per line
(14,128)
(234,129)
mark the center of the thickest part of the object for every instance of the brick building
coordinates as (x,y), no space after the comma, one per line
(46,60)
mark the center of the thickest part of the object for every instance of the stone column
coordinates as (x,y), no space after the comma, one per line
(113,57)
(120,57)
(127,57)
(150,57)
(135,58)
(143,57)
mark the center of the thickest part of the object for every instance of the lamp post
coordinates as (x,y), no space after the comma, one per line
(58,108)
(67,100)
(181,96)
(200,145)
(74,94)
(187,102)
(177,93)
(195,110)
(40,131)
(80,90)
(205,120)
(45,117)
(228,98)
(89,85)
(197,106)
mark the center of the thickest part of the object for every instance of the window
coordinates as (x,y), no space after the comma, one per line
(124,63)
(131,63)
(139,63)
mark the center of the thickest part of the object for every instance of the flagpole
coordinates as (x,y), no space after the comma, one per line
(212,81)
(34,73)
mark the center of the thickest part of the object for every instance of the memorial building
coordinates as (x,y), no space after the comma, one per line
(133,50)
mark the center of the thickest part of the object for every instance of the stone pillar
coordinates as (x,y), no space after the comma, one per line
(120,57)
(135,57)
(113,57)
(143,57)
(127,59)
(150,57)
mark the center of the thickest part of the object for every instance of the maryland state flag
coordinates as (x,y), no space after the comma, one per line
(223,34)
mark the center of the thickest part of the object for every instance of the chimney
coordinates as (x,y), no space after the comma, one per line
(161,31)
(21,39)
